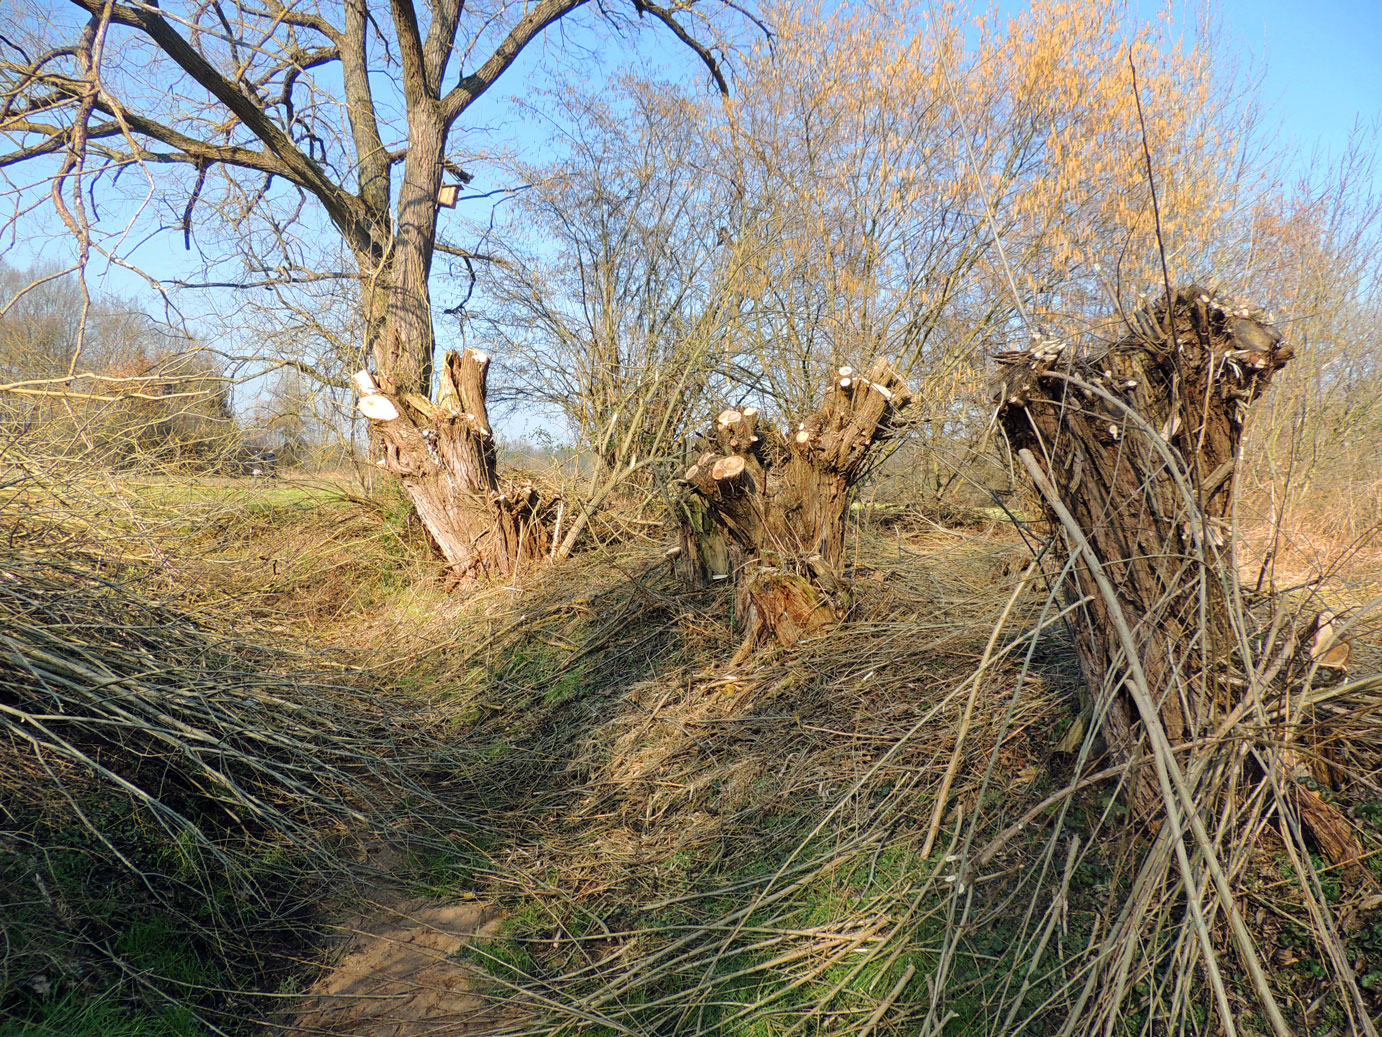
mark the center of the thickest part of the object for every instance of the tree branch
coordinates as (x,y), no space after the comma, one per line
(277,12)
(373,158)
(701,51)
(441,37)
(415,84)
(462,253)
(464,93)
(344,208)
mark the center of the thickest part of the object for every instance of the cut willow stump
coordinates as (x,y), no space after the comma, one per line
(1133,447)
(1138,442)
(444,454)
(770,509)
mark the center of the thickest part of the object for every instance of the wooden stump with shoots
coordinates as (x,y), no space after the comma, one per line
(769,509)
(444,454)
(1133,446)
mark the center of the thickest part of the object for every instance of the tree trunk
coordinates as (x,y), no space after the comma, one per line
(444,454)
(442,451)
(405,344)
(1134,448)
(771,509)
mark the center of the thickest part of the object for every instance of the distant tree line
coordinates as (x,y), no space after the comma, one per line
(107,385)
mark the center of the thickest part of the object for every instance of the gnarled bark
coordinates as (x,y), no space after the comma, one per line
(1133,446)
(1139,439)
(771,509)
(444,454)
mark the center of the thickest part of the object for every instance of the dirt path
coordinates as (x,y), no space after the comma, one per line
(399,977)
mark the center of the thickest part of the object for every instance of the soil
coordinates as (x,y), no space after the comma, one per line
(398,977)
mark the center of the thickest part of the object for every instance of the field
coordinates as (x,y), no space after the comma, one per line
(265,772)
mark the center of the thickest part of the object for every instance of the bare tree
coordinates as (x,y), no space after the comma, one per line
(1314,440)
(145,395)
(927,196)
(614,302)
(277,115)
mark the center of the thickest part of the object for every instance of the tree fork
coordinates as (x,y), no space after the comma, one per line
(1134,446)
(770,508)
(444,454)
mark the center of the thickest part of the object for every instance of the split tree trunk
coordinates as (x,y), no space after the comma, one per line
(770,509)
(1134,449)
(444,454)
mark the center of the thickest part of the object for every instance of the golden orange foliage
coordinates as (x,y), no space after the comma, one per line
(913,183)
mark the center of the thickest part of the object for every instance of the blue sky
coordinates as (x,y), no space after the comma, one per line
(1322,61)
(1321,76)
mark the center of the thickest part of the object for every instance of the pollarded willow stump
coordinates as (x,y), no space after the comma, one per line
(770,510)
(444,454)
(1137,442)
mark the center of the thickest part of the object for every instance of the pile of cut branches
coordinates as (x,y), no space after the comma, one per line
(160,775)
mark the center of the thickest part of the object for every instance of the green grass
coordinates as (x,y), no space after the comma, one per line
(78,1014)
(732,987)
(77,948)
(449,872)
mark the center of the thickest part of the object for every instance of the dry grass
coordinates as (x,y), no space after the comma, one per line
(677,847)
(690,848)
(1337,556)
(182,786)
